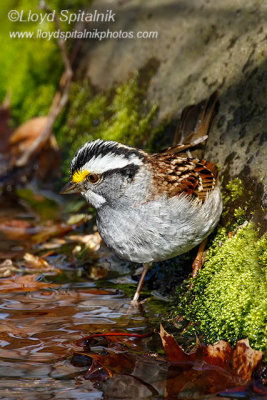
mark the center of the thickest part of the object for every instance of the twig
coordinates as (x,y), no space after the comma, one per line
(59,101)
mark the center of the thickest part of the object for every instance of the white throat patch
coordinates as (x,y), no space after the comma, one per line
(96,200)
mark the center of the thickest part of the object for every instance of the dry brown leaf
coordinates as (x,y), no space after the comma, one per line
(97,272)
(23,230)
(92,241)
(7,268)
(25,283)
(198,381)
(207,370)
(174,352)
(115,362)
(54,243)
(96,371)
(218,354)
(49,231)
(36,263)
(18,229)
(24,136)
(245,359)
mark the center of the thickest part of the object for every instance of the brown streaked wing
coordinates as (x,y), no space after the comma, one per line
(175,175)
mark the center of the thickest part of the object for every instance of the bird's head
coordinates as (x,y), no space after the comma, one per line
(102,170)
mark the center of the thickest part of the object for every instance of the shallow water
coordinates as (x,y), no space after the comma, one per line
(46,308)
(38,334)
(41,323)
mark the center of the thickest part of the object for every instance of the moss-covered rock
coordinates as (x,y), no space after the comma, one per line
(201,46)
(228,298)
(121,114)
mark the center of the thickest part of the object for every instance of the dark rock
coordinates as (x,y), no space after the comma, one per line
(201,46)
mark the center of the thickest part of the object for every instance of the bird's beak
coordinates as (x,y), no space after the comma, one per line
(71,187)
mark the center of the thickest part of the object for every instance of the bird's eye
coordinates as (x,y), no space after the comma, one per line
(93,178)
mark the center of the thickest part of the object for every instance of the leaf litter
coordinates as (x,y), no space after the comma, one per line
(43,314)
(111,358)
(205,370)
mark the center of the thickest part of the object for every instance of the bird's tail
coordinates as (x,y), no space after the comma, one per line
(194,125)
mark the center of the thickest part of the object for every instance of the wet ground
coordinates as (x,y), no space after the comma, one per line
(59,284)
(46,308)
(38,334)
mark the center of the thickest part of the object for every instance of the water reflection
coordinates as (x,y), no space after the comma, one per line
(38,332)
(41,321)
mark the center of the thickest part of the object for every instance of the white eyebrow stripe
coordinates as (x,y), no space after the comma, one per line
(108,162)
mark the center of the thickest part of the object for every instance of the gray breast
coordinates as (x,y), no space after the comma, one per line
(159,229)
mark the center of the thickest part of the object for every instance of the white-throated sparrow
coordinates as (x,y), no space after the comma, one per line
(149,207)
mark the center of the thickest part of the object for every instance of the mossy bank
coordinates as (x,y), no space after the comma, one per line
(228,299)
(120,114)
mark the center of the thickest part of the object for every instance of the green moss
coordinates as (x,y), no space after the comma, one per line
(228,299)
(234,190)
(30,67)
(237,204)
(240,214)
(121,115)
(129,120)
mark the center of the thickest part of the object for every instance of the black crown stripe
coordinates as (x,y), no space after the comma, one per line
(101,148)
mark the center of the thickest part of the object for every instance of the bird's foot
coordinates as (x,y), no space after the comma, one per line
(136,305)
(199,260)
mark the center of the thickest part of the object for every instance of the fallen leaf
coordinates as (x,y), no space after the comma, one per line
(219,354)
(245,359)
(20,144)
(174,353)
(23,230)
(206,370)
(54,243)
(18,229)
(92,241)
(97,372)
(50,230)
(188,374)
(24,283)
(119,362)
(117,359)
(24,136)
(7,268)
(79,218)
(201,379)
(36,263)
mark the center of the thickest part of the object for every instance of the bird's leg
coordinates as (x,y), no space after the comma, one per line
(199,260)
(146,267)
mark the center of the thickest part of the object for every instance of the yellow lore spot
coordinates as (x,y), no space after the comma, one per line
(79,176)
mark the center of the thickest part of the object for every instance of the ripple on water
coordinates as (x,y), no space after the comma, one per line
(38,331)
